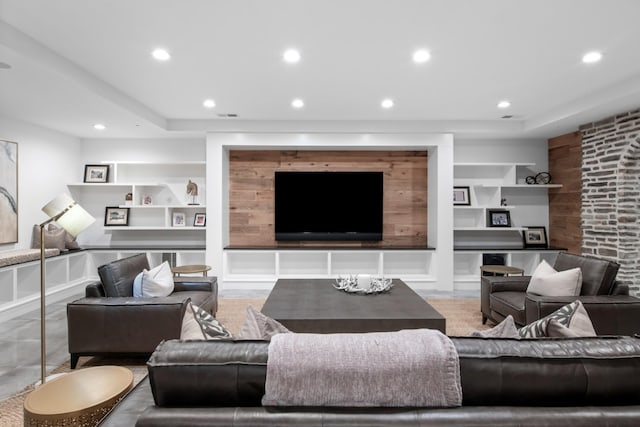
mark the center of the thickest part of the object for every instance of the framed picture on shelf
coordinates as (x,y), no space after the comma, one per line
(498,218)
(179,219)
(96,173)
(114,216)
(200,220)
(461,196)
(535,237)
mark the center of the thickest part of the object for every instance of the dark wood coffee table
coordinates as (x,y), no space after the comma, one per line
(313,305)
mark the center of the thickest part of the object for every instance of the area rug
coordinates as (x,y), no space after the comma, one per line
(463,317)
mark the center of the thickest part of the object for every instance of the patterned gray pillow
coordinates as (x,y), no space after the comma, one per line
(211,327)
(572,316)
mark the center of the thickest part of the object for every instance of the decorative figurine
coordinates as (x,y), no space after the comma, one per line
(192,191)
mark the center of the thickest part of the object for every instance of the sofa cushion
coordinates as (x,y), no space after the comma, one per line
(157,282)
(573,316)
(598,275)
(117,276)
(546,281)
(509,303)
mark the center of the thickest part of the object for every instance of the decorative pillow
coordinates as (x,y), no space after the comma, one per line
(137,286)
(257,326)
(157,282)
(547,281)
(556,330)
(572,316)
(505,329)
(53,239)
(69,241)
(198,324)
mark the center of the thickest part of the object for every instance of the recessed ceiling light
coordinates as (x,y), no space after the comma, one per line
(209,103)
(161,55)
(504,104)
(387,103)
(591,57)
(99,126)
(297,103)
(291,56)
(421,56)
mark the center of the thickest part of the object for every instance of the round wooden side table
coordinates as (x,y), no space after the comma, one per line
(79,398)
(501,269)
(191,269)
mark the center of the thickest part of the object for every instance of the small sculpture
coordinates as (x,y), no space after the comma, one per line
(192,190)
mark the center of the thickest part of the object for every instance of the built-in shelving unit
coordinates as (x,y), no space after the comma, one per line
(68,273)
(158,190)
(497,186)
(253,266)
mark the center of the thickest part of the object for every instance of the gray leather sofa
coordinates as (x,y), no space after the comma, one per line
(611,309)
(111,321)
(505,382)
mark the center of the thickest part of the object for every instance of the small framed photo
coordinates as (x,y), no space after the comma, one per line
(115,215)
(200,220)
(498,218)
(179,219)
(535,237)
(461,196)
(96,173)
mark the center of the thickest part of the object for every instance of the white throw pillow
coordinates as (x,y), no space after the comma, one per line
(157,282)
(546,281)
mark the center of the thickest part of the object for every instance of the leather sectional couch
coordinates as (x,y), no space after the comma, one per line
(505,382)
(111,321)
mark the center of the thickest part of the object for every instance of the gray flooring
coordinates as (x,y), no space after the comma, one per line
(20,339)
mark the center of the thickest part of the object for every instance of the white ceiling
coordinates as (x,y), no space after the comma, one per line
(77,62)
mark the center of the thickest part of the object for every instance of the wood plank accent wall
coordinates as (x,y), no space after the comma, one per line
(565,204)
(251,193)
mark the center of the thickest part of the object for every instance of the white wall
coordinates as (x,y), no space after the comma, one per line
(147,150)
(47,160)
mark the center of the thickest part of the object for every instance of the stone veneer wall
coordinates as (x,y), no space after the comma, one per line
(611,193)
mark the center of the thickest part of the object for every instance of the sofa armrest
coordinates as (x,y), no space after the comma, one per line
(505,284)
(94,290)
(123,324)
(185,283)
(610,314)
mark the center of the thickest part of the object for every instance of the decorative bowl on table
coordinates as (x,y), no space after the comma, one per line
(363,284)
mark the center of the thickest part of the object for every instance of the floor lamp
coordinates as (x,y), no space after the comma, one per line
(74,219)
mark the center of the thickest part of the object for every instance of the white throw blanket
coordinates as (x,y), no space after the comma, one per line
(417,368)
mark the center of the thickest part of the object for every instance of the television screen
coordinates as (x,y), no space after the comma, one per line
(328,205)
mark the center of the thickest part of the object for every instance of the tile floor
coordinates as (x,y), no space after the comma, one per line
(20,339)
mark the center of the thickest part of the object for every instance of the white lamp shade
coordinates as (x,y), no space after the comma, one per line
(58,205)
(68,214)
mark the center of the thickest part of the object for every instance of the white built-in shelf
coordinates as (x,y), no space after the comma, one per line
(491,164)
(484,207)
(489,228)
(151,228)
(164,206)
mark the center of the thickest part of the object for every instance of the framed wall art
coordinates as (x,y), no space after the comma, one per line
(96,173)
(179,219)
(8,192)
(498,218)
(114,216)
(535,237)
(461,196)
(200,220)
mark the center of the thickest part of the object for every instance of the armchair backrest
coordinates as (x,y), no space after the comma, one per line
(598,275)
(117,276)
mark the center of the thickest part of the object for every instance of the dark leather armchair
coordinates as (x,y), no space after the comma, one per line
(110,320)
(611,309)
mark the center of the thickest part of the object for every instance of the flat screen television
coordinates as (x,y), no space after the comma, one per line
(328,206)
